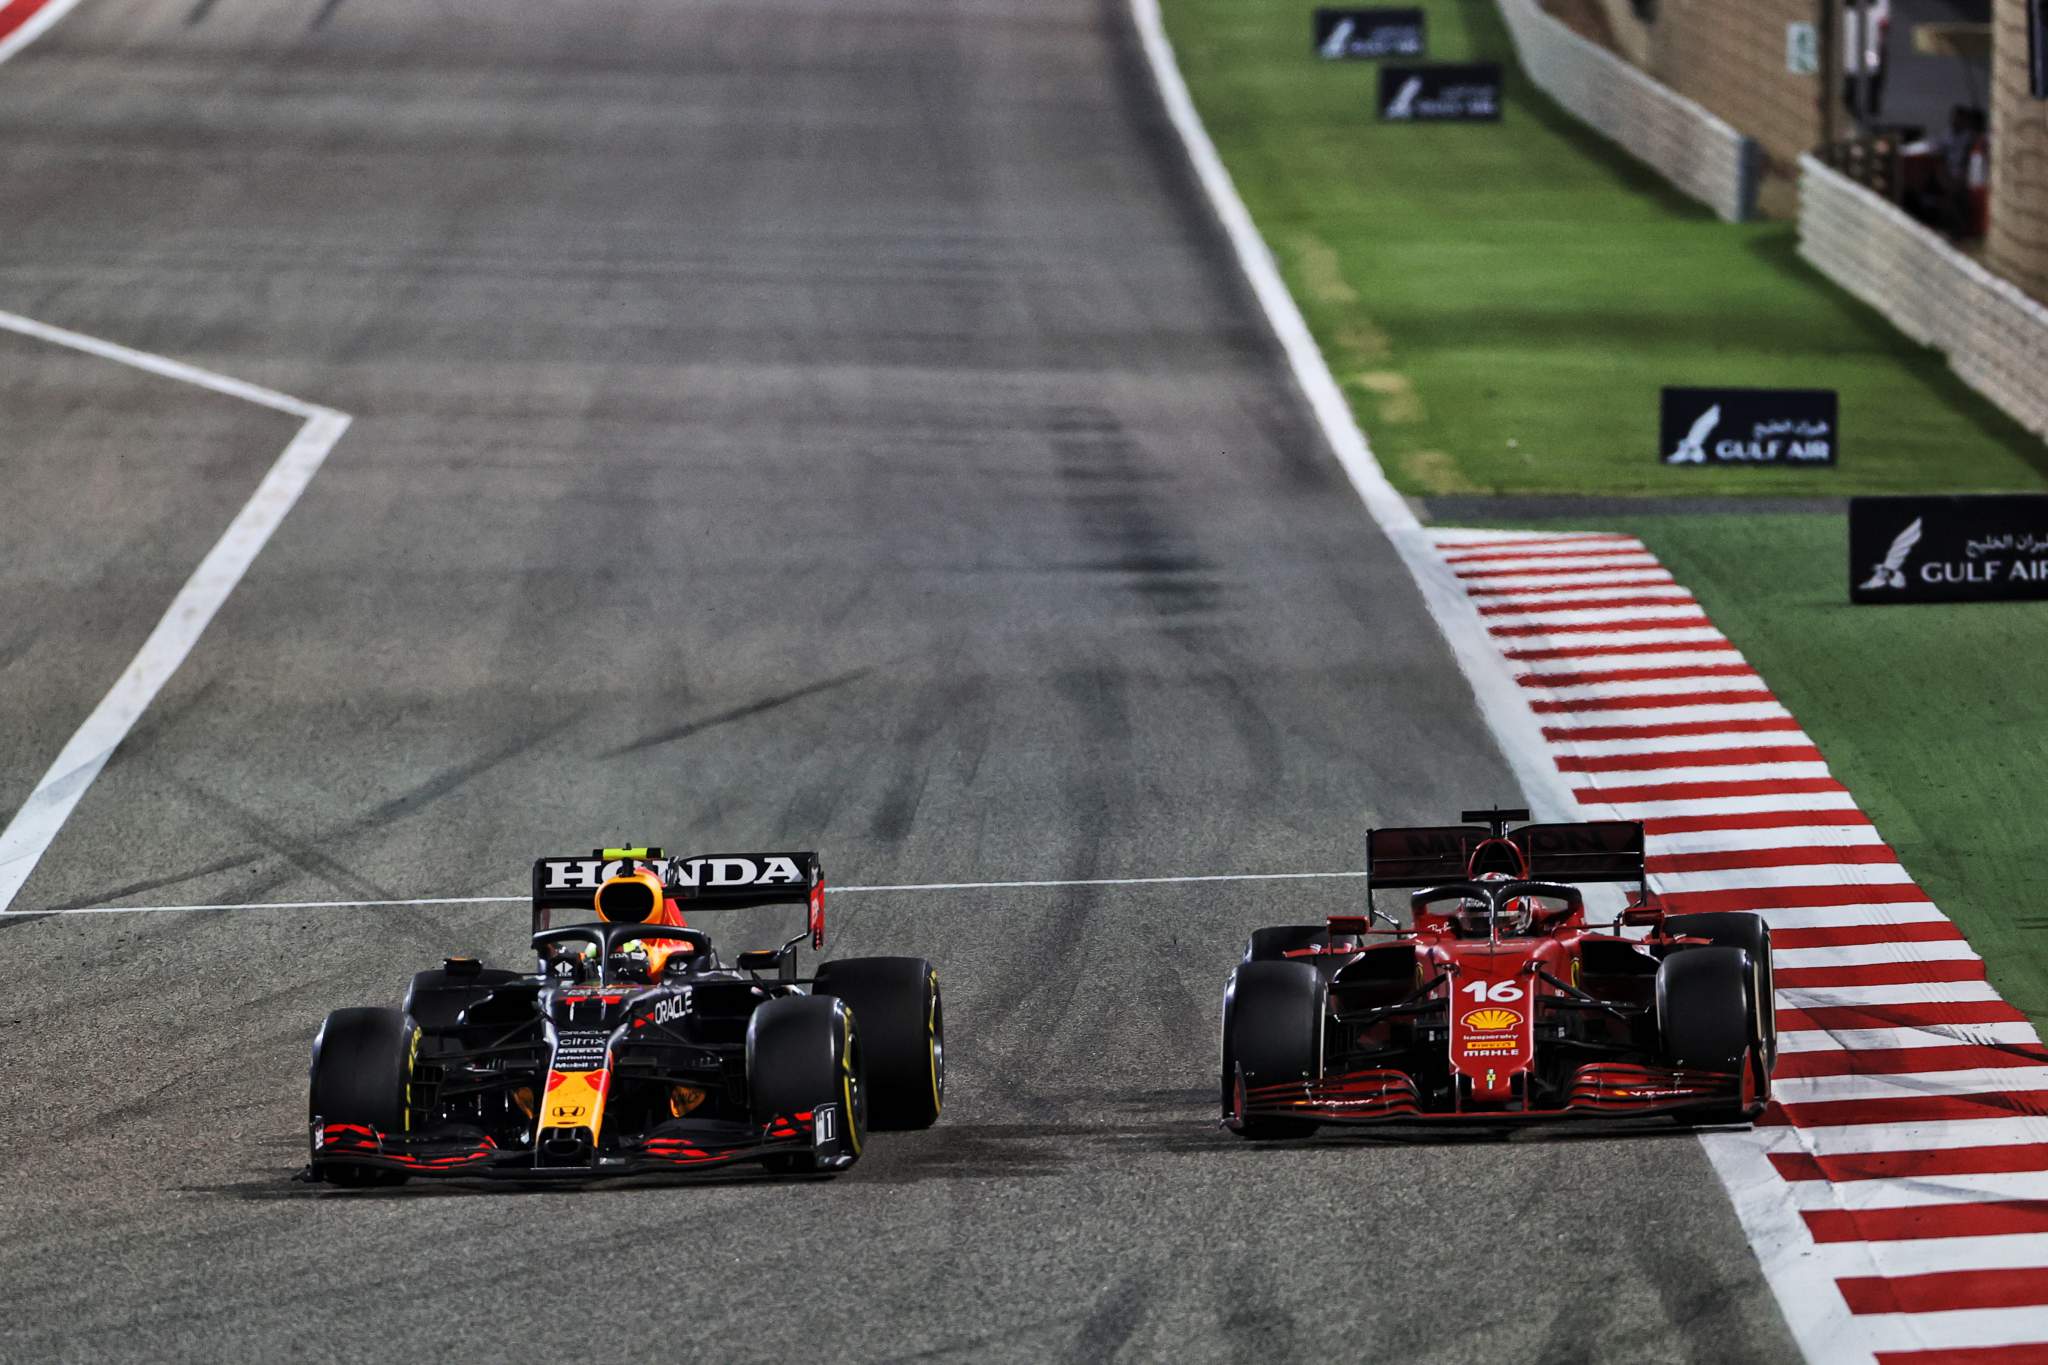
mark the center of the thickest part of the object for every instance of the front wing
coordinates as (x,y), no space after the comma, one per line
(671,1146)
(1597,1089)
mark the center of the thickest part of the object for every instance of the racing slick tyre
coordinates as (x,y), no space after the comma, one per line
(895,1002)
(1272,1032)
(1749,933)
(362,1071)
(804,1057)
(437,997)
(1706,1014)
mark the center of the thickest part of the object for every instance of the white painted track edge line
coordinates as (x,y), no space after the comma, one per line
(38,24)
(32,829)
(162,366)
(829,890)
(1501,704)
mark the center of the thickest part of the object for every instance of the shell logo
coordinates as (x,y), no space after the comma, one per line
(1493,1020)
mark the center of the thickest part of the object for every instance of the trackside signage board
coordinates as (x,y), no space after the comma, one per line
(1748,426)
(1986,548)
(1369,34)
(1440,93)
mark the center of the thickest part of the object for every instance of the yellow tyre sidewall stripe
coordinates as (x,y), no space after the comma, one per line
(853,1125)
(931,1041)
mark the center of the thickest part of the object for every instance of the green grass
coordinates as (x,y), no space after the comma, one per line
(1934,716)
(1502,303)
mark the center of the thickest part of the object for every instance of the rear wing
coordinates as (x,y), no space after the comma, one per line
(1429,855)
(718,881)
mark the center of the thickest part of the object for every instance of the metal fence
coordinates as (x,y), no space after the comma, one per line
(1696,151)
(1995,336)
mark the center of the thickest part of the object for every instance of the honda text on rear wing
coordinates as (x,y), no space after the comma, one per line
(719,881)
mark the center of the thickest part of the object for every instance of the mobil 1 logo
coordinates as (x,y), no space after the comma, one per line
(1369,34)
(1985,548)
(1748,426)
(1440,92)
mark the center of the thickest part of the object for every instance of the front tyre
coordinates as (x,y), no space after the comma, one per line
(896,1004)
(361,1076)
(1706,1017)
(1750,933)
(804,1057)
(1272,1032)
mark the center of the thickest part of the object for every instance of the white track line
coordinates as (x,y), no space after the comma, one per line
(38,24)
(1500,702)
(1111,881)
(162,365)
(829,890)
(35,826)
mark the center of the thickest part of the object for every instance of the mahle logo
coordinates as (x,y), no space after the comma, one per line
(1339,41)
(1693,449)
(1890,572)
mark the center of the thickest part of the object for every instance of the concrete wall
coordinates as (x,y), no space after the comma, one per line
(2017,244)
(1995,336)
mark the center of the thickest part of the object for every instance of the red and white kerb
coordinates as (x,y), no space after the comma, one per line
(1897,1191)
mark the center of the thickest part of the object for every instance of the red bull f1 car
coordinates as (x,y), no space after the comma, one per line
(631,1045)
(1500,1002)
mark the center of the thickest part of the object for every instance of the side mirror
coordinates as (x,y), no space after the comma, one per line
(759,959)
(1643,916)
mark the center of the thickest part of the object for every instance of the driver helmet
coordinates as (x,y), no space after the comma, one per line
(1517,913)
(647,959)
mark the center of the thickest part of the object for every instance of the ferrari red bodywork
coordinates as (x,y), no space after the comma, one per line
(1501,1002)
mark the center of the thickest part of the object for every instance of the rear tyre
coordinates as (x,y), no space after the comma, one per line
(803,1057)
(1272,1032)
(1749,933)
(896,1006)
(361,1074)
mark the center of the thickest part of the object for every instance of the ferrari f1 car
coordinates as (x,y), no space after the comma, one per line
(631,1046)
(1501,1002)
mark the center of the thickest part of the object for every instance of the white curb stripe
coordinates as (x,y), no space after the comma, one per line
(1886,1039)
(1864,1139)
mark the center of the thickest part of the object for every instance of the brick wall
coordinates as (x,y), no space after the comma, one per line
(1730,56)
(2017,244)
(1995,336)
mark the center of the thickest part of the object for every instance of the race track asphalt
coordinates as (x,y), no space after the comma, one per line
(812,423)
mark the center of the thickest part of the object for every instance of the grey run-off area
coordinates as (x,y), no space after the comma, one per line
(827,424)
